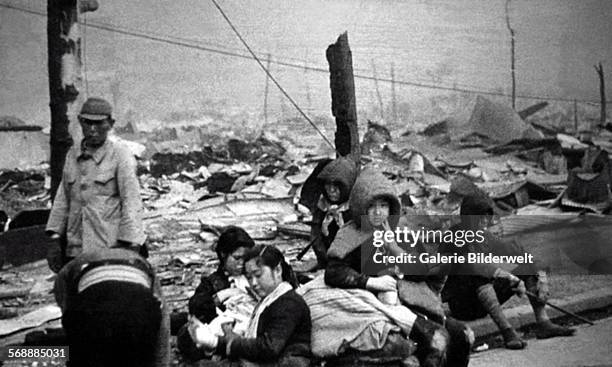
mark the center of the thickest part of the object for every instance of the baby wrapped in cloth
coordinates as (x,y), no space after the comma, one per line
(239,302)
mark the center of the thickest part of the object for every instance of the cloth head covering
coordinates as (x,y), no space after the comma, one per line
(342,172)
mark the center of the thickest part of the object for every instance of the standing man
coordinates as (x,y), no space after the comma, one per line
(98,202)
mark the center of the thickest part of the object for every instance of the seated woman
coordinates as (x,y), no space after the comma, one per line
(227,289)
(374,205)
(475,290)
(279,330)
(332,210)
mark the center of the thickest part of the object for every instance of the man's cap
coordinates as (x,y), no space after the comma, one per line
(96,109)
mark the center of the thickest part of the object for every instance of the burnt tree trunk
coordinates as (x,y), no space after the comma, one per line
(63,44)
(344,109)
(602,93)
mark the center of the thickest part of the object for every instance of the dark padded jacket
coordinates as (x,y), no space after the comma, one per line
(283,334)
(202,304)
(345,254)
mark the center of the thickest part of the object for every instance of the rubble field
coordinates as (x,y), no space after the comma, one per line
(262,185)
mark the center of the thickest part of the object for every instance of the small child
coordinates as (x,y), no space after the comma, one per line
(332,211)
(374,206)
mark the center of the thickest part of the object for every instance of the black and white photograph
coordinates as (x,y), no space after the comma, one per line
(313,183)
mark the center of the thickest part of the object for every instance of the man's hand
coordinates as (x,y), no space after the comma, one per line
(382,284)
(54,253)
(506,275)
(515,283)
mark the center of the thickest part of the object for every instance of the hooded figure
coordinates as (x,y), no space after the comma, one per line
(352,252)
(332,209)
(345,253)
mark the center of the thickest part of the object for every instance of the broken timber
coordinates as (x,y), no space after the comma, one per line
(532,109)
(342,84)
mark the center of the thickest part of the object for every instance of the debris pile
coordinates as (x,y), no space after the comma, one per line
(190,197)
(24,189)
(515,163)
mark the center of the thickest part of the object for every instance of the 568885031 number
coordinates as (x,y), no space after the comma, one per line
(33,353)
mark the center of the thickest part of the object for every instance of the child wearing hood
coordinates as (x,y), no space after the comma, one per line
(332,210)
(374,206)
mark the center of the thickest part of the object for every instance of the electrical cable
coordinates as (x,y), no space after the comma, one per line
(272,77)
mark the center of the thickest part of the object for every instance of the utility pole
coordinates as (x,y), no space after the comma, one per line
(512,58)
(344,108)
(64,68)
(393,94)
(602,93)
(380,102)
(576,116)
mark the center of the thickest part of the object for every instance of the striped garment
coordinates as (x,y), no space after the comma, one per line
(121,273)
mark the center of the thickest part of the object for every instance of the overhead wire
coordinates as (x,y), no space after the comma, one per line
(182,42)
(280,87)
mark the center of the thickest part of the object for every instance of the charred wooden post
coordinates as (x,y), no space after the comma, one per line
(532,109)
(602,93)
(344,109)
(63,43)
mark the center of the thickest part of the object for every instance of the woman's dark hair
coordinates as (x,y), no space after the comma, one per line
(271,256)
(231,239)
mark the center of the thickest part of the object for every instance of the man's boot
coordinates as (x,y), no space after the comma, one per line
(512,340)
